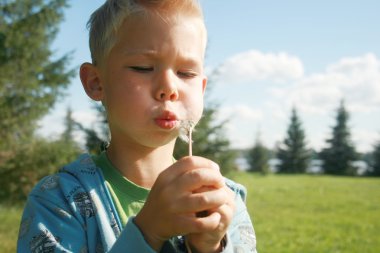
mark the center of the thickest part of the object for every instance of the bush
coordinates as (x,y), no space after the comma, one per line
(30,163)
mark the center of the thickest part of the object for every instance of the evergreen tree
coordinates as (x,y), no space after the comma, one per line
(376,161)
(97,136)
(68,133)
(293,154)
(258,158)
(67,137)
(36,159)
(32,78)
(339,153)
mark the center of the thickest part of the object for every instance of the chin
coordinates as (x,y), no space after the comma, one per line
(158,143)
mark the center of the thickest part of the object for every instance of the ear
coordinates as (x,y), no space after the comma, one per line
(204,84)
(89,75)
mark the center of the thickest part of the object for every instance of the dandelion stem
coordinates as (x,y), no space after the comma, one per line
(190,141)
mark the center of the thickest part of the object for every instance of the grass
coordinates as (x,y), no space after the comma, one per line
(291,214)
(9,224)
(307,214)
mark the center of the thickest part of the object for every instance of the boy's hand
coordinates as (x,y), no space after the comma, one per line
(173,202)
(210,242)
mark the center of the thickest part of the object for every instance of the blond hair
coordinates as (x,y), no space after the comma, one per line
(107,19)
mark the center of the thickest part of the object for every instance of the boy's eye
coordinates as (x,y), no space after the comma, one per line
(141,69)
(186,74)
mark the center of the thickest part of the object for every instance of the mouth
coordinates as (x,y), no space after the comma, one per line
(167,120)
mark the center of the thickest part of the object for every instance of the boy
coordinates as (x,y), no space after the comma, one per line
(147,70)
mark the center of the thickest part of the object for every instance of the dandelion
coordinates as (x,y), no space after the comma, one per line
(185,133)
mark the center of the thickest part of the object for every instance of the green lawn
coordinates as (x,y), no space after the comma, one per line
(295,214)
(307,214)
(9,225)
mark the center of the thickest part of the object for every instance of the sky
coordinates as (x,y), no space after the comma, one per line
(270,56)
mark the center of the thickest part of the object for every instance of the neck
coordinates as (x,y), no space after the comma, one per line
(141,165)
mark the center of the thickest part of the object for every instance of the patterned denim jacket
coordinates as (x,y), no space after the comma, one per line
(72,211)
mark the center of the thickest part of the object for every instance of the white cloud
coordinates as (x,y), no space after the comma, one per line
(241,125)
(240,112)
(52,125)
(356,80)
(254,65)
(87,118)
(316,95)
(365,140)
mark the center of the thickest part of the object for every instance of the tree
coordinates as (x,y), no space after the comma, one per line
(97,136)
(293,154)
(258,157)
(68,133)
(30,164)
(376,161)
(36,159)
(340,152)
(32,78)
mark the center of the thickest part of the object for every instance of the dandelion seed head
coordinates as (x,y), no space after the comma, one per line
(185,129)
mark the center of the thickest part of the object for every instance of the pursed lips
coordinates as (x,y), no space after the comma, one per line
(167,120)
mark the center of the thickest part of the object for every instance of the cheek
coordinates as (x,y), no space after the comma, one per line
(126,98)
(125,89)
(194,106)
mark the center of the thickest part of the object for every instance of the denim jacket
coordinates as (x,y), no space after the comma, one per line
(73,211)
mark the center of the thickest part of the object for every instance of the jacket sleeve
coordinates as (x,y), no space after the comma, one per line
(48,227)
(241,236)
(72,221)
(131,239)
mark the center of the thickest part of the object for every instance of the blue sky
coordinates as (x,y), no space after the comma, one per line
(271,55)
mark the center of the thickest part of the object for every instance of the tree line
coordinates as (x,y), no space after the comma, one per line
(294,156)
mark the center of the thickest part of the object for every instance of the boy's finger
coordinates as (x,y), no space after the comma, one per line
(198,202)
(186,164)
(203,178)
(228,209)
(200,224)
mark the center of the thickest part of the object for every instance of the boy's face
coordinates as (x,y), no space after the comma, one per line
(152,78)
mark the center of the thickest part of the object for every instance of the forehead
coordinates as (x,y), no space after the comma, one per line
(156,33)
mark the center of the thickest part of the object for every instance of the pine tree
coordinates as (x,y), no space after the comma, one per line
(68,133)
(32,78)
(376,161)
(67,138)
(258,158)
(340,152)
(293,154)
(97,136)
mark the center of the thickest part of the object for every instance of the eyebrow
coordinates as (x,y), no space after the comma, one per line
(154,54)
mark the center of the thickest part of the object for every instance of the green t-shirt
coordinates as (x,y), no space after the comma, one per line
(129,198)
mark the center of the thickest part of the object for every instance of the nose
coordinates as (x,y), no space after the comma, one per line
(167,89)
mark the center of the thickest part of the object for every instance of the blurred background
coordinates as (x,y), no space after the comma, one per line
(292,112)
